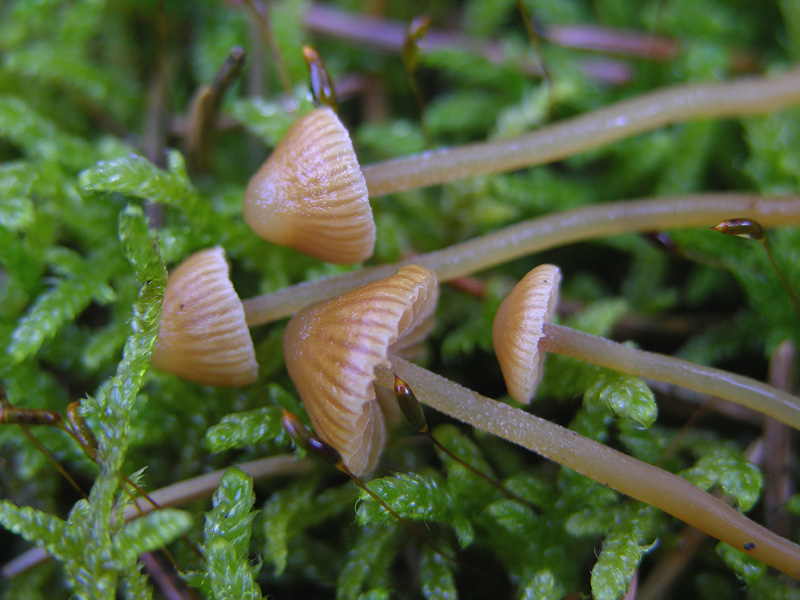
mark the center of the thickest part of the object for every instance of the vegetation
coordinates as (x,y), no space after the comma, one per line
(104,187)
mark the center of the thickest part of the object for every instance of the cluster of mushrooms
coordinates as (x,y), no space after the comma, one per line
(350,333)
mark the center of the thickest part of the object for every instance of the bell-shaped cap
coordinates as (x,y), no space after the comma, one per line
(517,329)
(333,349)
(310,194)
(203,335)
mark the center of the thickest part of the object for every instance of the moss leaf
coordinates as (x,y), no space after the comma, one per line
(623,549)
(542,586)
(624,395)
(748,569)
(230,577)
(436,577)
(290,511)
(16,206)
(232,516)
(412,496)
(138,177)
(727,467)
(150,532)
(39,137)
(228,573)
(240,430)
(368,561)
(512,516)
(35,526)
(57,306)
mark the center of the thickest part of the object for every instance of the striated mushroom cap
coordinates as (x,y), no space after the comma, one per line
(203,336)
(310,194)
(333,348)
(517,329)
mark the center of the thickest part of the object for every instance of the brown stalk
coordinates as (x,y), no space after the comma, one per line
(156,115)
(623,473)
(261,13)
(777,443)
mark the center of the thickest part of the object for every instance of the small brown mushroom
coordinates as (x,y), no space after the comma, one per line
(203,335)
(532,301)
(310,194)
(333,349)
(522,334)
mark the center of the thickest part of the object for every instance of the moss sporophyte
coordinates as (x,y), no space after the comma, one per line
(437,158)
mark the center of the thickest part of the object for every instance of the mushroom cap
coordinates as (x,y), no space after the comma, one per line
(517,329)
(333,348)
(203,335)
(310,194)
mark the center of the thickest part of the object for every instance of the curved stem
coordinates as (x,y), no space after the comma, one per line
(201,486)
(741,390)
(536,235)
(624,119)
(621,472)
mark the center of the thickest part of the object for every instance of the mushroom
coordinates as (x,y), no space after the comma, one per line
(203,336)
(522,333)
(337,351)
(310,194)
(517,347)
(333,349)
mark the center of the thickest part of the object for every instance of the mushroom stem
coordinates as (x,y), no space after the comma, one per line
(627,118)
(536,235)
(201,486)
(623,473)
(700,378)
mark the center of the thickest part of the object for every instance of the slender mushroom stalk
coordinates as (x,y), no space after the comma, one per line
(323,384)
(203,336)
(522,334)
(310,194)
(676,104)
(536,235)
(618,471)
(707,380)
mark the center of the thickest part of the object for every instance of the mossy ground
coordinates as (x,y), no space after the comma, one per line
(92,96)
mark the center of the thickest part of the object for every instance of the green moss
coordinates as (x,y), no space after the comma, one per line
(84,253)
